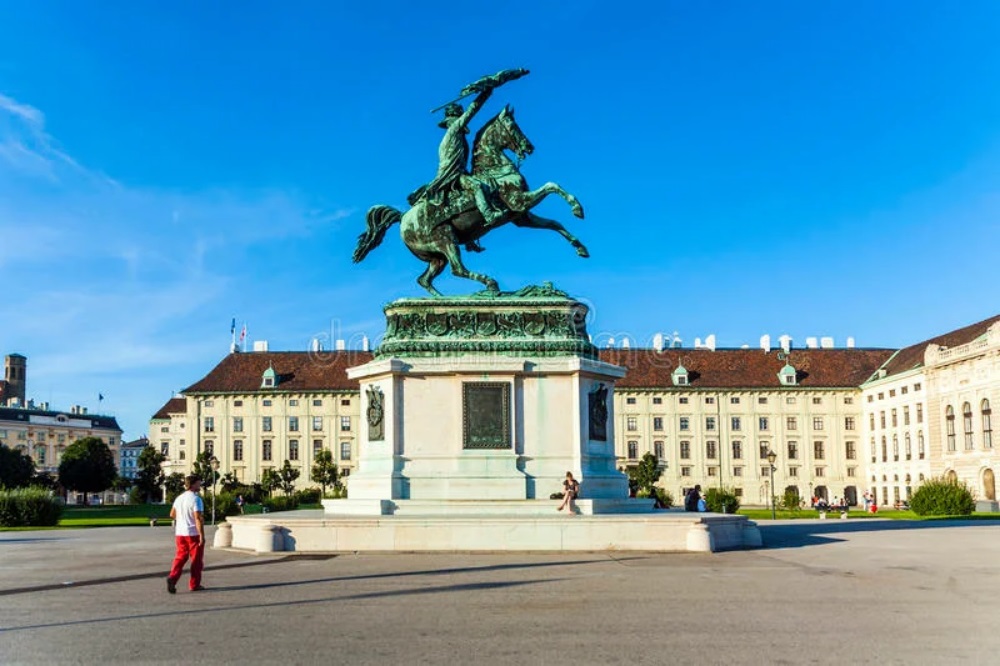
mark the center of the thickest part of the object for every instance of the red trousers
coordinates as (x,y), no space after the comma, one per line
(188,547)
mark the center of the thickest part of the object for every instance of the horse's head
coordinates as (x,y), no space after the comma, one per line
(503,133)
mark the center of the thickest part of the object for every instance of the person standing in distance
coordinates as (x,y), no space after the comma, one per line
(188,513)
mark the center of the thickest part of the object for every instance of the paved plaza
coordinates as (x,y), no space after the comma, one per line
(870,591)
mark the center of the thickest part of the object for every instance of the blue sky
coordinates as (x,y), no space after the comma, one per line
(747,168)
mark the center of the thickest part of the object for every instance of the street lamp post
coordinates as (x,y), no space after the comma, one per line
(771,457)
(215,476)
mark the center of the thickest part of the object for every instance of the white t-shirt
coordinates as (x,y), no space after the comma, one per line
(184,508)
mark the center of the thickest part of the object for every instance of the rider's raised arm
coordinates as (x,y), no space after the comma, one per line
(474,107)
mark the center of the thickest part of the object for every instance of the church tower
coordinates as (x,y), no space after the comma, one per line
(15,369)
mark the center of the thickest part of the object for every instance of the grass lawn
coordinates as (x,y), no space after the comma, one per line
(891,514)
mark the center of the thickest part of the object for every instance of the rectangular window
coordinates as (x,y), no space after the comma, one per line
(162,429)
(852,450)
(892,393)
(317,446)
(736,423)
(852,471)
(709,401)
(737,450)
(345,423)
(266,424)
(657,423)
(881,396)
(293,449)
(209,424)
(817,423)
(630,401)
(293,424)
(633,450)
(682,401)
(761,401)
(709,423)
(165,448)
(895,421)
(819,450)
(848,400)
(763,423)
(658,450)
(631,423)
(793,450)
(238,450)
(848,423)
(793,471)
(237,424)
(237,403)
(210,448)
(266,450)
(920,413)
(711,450)
(917,387)
(821,471)
(871,398)
(180,454)
(317,403)
(904,390)
(881,419)
(734,401)
(737,471)
(345,402)
(317,423)
(871,421)
(765,448)
(685,423)
(265,403)
(906,416)
(790,401)
(685,471)
(764,471)
(345,450)
(713,471)
(210,403)
(817,401)
(791,423)
(685,450)
(657,401)
(293,403)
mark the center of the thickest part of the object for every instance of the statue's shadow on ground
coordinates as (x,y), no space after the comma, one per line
(824,532)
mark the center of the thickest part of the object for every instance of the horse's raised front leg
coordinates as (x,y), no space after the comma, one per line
(525,201)
(532,221)
(458,269)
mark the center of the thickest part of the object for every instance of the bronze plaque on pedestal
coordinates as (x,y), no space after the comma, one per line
(485,415)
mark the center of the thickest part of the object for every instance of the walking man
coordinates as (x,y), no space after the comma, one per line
(188,513)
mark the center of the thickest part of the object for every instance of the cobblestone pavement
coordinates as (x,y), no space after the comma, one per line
(822,592)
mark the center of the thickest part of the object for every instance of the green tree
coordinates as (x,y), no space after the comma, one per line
(288,476)
(16,468)
(44,480)
(270,480)
(229,483)
(324,472)
(174,485)
(942,497)
(87,466)
(121,484)
(646,473)
(203,469)
(149,474)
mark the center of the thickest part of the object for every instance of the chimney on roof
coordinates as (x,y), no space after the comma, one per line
(765,343)
(785,341)
(811,343)
(365,343)
(745,347)
(625,343)
(316,345)
(826,342)
(260,345)
(611,342)
(658,342)
(341,345)
(850,342)
(710,342)
(677,343)
(697,343)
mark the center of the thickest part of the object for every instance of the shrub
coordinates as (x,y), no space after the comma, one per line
(665,497)
(790,500)
(722,500)
(281,503)
(940,497)
(29,507)
(225,505)
(340,492)
(308,496)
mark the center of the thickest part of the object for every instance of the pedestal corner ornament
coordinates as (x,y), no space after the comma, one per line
(375,413)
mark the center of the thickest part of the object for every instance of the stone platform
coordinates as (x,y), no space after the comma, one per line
(660,531)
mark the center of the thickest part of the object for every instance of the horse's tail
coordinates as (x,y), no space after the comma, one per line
(379,219)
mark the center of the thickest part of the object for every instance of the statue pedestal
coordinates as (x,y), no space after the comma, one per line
(483,399)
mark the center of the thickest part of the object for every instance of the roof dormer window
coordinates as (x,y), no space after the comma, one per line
(680,376)
(787,375)
(270,378)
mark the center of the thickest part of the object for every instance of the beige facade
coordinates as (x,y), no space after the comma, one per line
(44,434)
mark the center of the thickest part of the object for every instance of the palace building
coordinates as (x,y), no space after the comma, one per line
(841,421)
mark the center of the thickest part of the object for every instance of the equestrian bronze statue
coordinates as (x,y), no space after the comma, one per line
(459,206)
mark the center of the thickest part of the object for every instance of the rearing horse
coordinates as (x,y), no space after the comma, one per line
(434,234)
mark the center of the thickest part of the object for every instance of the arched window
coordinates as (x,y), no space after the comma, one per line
(885,450)
(987,426)
(895,447)
(967,425)
(949,418)
(908,446)
(920,444)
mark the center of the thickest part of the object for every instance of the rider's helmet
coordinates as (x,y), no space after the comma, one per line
(451,112)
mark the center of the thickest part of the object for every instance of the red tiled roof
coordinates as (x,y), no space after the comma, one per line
(296,371)
(173,406)
(913,356)
(745,368)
